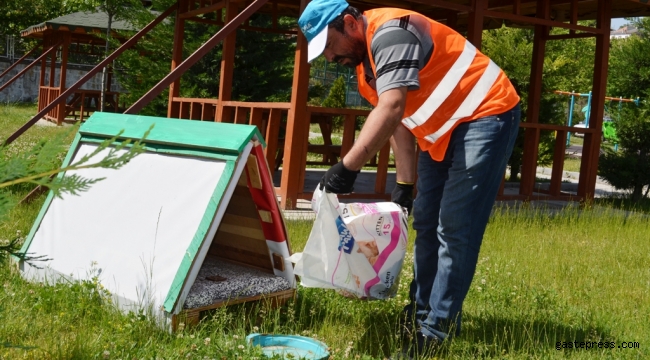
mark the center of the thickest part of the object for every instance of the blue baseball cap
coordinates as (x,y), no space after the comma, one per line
(313,23)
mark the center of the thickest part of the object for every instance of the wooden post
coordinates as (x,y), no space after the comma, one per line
(532,135)
(297,128)
(591,146)
(52,67)
(46,44)
(272,135)
(173,109)
(475,23)
(452,19)
(227,65)
(109,82)
(62,76)
(559,152)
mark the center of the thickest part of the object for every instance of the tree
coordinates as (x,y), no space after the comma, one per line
(629,64)
(114,10)
(263,62)
(336,99)
(17,15)
(629,168)
(629,76)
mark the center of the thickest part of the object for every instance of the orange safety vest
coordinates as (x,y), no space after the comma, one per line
(458,84)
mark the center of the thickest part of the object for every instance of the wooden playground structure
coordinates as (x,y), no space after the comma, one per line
(466,16)
(76,33)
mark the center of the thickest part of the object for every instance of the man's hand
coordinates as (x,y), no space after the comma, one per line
(403,196)
(338,179)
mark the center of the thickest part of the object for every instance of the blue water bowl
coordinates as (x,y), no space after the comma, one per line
(290,347)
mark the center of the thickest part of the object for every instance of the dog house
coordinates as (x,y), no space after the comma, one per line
(189,225)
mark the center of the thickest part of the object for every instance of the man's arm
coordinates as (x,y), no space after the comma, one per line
(403,144)
(380,125)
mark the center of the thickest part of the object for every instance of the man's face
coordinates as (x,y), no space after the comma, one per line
(347,48)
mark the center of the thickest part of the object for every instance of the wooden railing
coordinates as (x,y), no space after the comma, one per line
(266,116)
(46,95)
(333,153)
(82,103)
(270,118)
(527,187)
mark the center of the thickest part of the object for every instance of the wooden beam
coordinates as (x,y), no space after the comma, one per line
(41,79)
(53,65)
(227,64)
(62,75)
(452,20)
(349,127)
(540,21)
(382,169)
(206,21)
(204,10)
(444,5)
(531,136)
(269,30)
(559,152)
(591,146)
(570,36)
(295,144)
(574,14)
(173,109)
(272,136)
(475,23)
(516,7)
(553,127)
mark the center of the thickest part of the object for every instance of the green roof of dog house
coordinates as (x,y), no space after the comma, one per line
(231,138)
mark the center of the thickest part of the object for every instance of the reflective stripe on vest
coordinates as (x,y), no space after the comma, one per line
(471,102)
(446,86)
(442,91)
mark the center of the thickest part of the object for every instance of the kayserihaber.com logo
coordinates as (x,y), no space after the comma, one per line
(346,240)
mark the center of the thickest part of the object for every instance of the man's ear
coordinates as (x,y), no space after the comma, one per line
(350,22)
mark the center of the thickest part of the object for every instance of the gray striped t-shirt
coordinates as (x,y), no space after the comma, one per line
(400,48)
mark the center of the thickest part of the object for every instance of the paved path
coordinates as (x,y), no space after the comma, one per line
(366,181)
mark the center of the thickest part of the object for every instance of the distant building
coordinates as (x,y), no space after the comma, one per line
(623,32)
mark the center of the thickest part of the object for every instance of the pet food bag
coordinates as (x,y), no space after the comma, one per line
(357,248)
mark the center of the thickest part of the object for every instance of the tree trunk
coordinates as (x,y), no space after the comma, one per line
(637,193)
(102,95)
(639,178)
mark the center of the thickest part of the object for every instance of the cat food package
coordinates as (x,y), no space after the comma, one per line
(356,248)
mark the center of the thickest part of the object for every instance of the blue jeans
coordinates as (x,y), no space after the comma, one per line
(451,210)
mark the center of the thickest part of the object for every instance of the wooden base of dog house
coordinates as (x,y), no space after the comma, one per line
(193,316)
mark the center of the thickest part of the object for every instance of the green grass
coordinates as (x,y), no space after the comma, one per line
(543,277)
(574,140)
(572,164)
(575,275)
(12,117)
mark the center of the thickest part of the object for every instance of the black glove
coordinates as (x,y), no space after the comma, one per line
(338,179)
(403,196)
